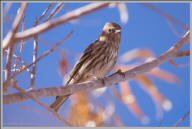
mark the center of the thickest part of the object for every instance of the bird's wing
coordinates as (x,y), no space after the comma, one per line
(82,60)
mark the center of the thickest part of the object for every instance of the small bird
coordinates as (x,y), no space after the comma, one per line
(96,61)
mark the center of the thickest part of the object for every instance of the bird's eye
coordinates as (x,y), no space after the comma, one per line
(111,31)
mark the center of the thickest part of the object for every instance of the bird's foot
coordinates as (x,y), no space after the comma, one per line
(102,80)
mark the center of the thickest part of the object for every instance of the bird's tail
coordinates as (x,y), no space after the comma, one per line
(58,102)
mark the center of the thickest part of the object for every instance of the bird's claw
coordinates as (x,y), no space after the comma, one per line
(102,80)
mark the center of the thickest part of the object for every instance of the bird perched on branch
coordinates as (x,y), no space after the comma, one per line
(96,61)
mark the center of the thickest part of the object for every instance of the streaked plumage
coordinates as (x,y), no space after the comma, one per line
(96,61)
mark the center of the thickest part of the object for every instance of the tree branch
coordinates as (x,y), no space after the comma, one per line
(46,53)
(164,14)
(45,12)
(6,85)
(42,104)
(57,8)
(9,37)
(24,64)
(21,47)
(107,81)
(9,43)
(183,53)
(182,119)
(63,19)
(35,49)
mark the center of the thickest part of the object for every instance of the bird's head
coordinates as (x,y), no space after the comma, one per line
(111,30)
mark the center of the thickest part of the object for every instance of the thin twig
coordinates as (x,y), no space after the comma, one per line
(9,41)
(22,43)
(183,118)
(34,66)
(42,104)
(22,61)
(56,9)
(6,10)
(9,37)
(107,81)
(172,62)
(183,53)
(180,54)
(34,110)
(45,12)
(9,62)
(159,11)
(60,50)
(24,64)
(62,19)
(6,86)
(47,52)
(8,19)
(172,28)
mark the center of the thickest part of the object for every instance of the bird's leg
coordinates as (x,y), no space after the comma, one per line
(102,80)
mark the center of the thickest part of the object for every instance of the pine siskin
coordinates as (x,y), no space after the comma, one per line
(96,61)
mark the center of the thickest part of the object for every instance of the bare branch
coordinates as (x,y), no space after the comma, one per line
(57,8)
(107,81)
(9,41)
(5,11)
(9,62)
(42,104)
(159,11)
(24,64)
(63,19)
(6,86)
(183,53)
(172,62)
(22,43)
(180,54)
(9,37)
(35,48)
(47,52)
(45,12)
(7,7)
(183,118)
(170,24)
(22,61)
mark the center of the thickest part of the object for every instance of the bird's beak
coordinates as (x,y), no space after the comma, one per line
(117,31)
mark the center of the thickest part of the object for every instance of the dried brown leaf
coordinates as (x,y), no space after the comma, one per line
(115,93)
(135,54)
(108,112)
(123,12)
(164,75)
(150,88)
(80,112)
(130,101)
(63,65)
(177,65)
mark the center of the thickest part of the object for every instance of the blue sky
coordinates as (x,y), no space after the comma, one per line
(144,29)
